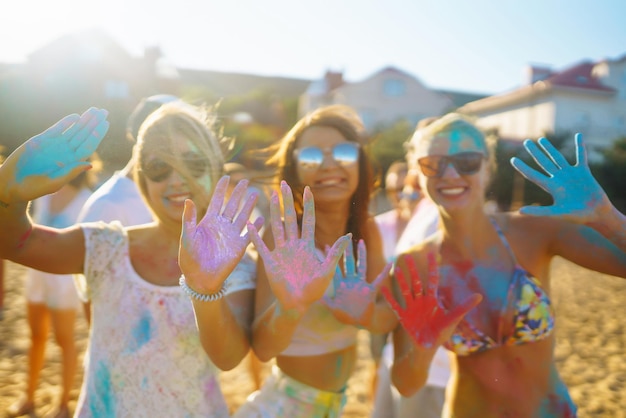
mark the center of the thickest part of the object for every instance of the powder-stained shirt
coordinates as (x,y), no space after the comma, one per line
(144,357)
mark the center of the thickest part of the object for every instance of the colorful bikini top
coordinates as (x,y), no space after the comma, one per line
(532,315)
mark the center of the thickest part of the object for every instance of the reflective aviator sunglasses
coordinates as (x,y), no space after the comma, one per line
(344,154)
(464,163)
(157,170)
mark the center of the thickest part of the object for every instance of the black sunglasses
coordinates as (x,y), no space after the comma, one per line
(344,154)
(464,163)
(157,170)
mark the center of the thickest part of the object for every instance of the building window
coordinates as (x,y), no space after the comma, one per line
(116,89)
(394,88)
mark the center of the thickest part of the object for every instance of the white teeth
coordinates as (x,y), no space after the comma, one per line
(452,191)
(330,182)
(179,199)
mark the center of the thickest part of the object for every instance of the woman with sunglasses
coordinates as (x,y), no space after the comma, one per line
(481,287)
(306,317)
(145,357)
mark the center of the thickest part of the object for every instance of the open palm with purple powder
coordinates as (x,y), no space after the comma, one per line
(295,271)
(353,298)
(210,249)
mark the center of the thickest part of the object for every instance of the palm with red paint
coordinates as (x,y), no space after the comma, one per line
(423,318)
(294,270)
(353,299)
(210,250)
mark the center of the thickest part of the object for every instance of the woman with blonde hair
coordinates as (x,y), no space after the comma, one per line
(481,286)
(145,355)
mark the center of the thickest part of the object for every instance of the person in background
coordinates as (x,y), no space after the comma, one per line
(391,225)
(481,285)
(146,356)
(52,298)
(118,198)
(428,401)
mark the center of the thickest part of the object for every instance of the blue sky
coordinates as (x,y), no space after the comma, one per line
(476,46)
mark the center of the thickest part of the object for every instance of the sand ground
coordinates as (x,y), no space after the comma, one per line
(590,351)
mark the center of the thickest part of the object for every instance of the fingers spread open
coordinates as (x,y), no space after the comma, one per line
(308,216)
(291,220)
(554,154)
(233,203)
(530,173)
(217,199)
(276,221)
(433,275)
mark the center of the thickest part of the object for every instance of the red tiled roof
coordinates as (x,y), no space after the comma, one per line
(579,76)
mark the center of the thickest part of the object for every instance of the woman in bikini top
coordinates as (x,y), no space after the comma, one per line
(481,286)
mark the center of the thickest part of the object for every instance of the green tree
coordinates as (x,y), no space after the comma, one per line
(388,144)
(611,172)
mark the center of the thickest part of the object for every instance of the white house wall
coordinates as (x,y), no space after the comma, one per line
(519,121)
(593,116)
(369,98)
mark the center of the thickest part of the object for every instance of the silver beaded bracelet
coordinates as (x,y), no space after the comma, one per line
(212,297)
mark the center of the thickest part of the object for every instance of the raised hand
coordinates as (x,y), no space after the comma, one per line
(294,270)
(576,193)
(44,163)
(210,250)
(353,299)
(423,319)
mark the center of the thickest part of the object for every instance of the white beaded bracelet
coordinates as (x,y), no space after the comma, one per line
(200,296)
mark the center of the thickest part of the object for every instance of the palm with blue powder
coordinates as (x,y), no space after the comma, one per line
(44,163)
(353,298)
(210,249)
(576,193)
(295,273)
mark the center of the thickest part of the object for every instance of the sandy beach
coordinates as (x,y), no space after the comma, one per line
(590,351)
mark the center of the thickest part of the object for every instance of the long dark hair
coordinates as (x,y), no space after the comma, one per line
(345,120)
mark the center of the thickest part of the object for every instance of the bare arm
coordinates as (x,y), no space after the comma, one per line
(424,324)
(290,276)
(42,165)
(578,197)
(209,252)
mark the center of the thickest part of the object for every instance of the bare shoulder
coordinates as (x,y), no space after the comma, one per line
(514,223)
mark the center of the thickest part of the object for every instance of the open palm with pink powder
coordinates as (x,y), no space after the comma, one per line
(296,273)
(353,298)
(423,318)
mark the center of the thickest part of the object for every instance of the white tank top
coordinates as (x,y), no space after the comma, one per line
(319,332)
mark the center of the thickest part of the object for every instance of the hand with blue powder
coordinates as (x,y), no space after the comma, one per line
(353,298)
(46,162)
(577,195)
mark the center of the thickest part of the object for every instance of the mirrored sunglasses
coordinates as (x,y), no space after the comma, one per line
(344,154)
(157,170)
(464,163)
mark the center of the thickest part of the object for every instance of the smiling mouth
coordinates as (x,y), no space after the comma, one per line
(179,198)
(329,182)
(452,191)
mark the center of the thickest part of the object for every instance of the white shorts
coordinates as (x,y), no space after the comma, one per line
(282,396)
(56,291)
